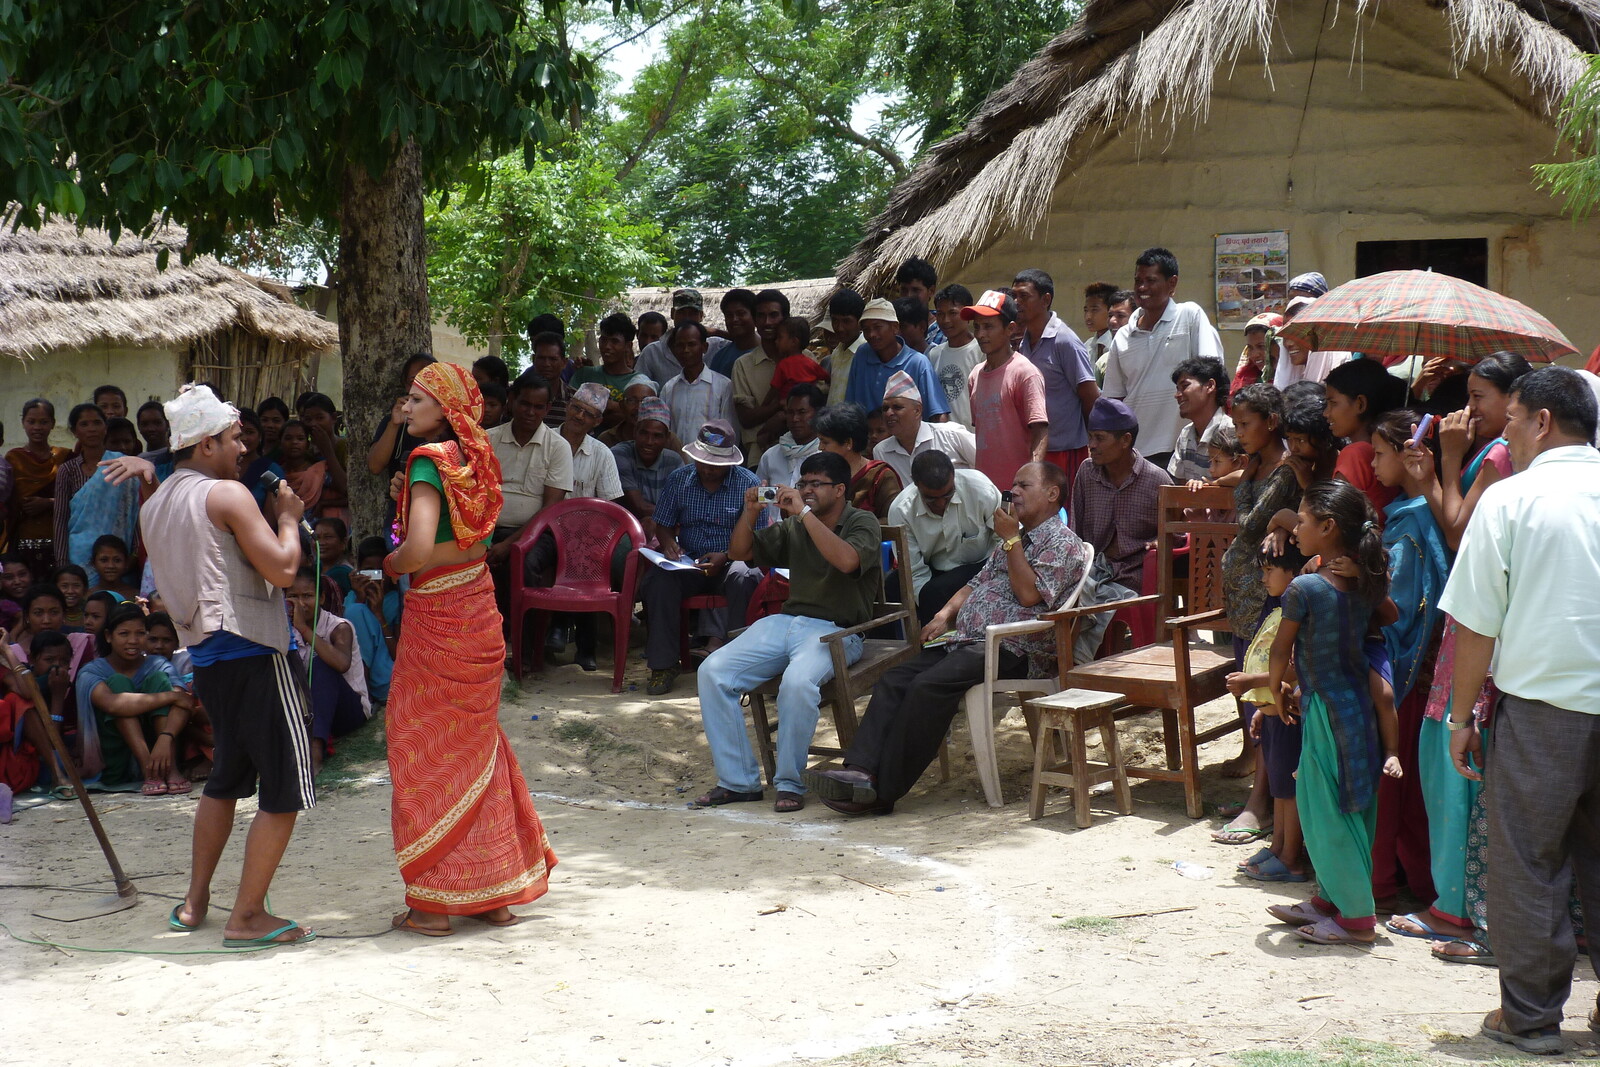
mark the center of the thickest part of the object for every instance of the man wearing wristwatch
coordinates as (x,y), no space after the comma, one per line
(1528,577)
(1035,568)
(831,551)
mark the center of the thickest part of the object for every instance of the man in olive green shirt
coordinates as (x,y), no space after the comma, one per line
(832,553)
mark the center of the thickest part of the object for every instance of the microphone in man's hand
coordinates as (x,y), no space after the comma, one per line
(272,483)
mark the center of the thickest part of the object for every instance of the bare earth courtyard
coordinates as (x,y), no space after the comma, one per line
(948,933)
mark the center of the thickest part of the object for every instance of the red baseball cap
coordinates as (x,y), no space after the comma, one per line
(992,304)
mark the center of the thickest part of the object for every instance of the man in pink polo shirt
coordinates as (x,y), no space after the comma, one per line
(1008,403)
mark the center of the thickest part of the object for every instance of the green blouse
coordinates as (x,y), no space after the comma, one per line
(425,470)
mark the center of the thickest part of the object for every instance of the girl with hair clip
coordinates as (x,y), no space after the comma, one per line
(1325,619)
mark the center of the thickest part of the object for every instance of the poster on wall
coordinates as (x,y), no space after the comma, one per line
(1252,272)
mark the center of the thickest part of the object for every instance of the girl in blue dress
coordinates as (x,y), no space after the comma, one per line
(1325,620)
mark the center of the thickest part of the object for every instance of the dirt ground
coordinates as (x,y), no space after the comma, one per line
(948,933)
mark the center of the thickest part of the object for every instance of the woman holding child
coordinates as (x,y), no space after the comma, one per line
(465,832)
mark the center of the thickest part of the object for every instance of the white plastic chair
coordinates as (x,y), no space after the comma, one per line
(983,699)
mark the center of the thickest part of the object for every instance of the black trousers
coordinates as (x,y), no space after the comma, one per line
(941,586)
(910,712)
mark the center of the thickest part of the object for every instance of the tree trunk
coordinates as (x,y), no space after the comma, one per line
(383,310)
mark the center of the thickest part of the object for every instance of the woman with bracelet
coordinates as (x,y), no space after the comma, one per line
(128,710)
(465,832)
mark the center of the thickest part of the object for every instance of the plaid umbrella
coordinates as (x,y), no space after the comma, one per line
(1413,312)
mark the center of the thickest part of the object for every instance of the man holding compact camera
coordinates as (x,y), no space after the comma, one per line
(831,551)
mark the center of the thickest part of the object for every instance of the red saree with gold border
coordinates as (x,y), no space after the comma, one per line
(465,832)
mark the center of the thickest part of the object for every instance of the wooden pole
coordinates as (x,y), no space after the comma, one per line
(125,886)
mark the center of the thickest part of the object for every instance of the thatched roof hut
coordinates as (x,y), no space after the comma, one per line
(64,292)
(1346,121)
(808,297)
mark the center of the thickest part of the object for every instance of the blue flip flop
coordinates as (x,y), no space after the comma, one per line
(1273,870)
(269,940)
(177,923)
(1430,935)
(1259,858)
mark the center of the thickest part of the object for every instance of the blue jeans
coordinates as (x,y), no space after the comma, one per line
(777,644)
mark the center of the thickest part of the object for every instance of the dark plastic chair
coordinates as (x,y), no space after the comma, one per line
(587,533)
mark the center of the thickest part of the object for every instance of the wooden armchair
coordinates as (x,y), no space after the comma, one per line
(1170,676)
(851,682)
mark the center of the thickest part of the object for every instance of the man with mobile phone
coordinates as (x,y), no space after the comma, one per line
(1034,569)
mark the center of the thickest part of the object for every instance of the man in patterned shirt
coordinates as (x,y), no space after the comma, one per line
(1037,565)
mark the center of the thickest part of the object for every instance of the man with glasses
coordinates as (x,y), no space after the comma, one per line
(949,530)
(832,552)
(1035,568)
(694,517)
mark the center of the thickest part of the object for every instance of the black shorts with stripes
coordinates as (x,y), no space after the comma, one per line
(260,721)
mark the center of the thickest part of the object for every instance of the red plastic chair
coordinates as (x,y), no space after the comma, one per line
(587,532)
(690,605)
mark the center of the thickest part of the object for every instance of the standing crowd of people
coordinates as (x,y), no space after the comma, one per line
(1403,547)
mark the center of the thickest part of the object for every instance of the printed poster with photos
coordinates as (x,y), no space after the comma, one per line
(1252,271)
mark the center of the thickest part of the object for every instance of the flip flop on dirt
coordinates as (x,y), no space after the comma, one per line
(1470,952)
(1325,931)
(403,921)
(1260,857)
(1415,925)
(719,796)
(178,786)
(514,920)
(788,802)
(272,938)
(1302,914)
(1272,869)
(178,924)
(154,787)
(1241,835)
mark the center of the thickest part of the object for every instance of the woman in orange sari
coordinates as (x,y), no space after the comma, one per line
(465,832)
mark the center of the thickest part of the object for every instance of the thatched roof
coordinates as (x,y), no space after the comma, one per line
(1144,62)
(808,297)
(61,289)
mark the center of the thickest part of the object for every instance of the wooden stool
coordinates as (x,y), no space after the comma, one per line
(1065,719)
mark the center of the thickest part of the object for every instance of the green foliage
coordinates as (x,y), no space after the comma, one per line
(1093,924)
(752,129)
(1339,1052)
(1577,181)
(120,114)
(520,240)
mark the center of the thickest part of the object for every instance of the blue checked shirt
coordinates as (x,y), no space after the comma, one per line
(704,520)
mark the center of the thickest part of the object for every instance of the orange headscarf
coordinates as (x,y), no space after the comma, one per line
(467,465)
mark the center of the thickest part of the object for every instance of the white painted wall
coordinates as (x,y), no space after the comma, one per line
(70,378)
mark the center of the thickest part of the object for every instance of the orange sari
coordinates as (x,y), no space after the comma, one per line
(465,832)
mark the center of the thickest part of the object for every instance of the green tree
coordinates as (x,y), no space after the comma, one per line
(551,237)
(764,137)
(334,111)
(1577,179)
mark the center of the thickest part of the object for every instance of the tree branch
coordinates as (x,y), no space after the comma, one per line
(882,149)
(659,123)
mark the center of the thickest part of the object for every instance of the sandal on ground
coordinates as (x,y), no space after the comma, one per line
(1545,1041)
(178,786)
(1326,931)
(1258,859)
(154,787)
(844,783)
(720,796)
(403,921)
(1594,1017)
(1424,931)
(502,923)
(1272,869)
(788,802)
(1475,953)
(178,924)
(271,939)
(1302,914)
(1241,835)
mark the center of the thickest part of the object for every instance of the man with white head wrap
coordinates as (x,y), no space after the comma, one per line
(909,436)
(222,569)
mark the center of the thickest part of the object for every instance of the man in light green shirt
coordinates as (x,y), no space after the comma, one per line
(1528,576)
(948,515)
